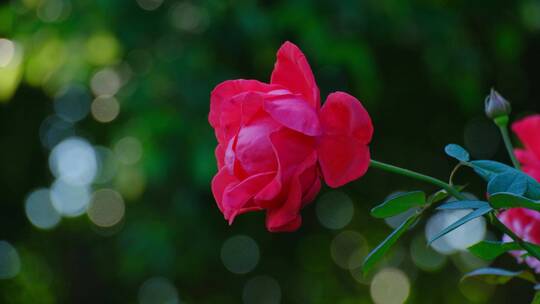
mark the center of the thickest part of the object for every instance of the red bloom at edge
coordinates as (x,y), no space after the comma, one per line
(525,222)
(275,142)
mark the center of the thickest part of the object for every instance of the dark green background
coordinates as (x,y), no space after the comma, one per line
(421,68)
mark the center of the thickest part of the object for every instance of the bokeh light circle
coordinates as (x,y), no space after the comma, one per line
(72,103)
(53,130)
(461,238)
(348,249)
(106,208)
(425,257)
(74,161)
(69,200)
(334,209)
(158,290)
(10,262)
(40,211)
(128,150)
(105,108)
(262,290)
(390,286)
(149,5)
(106,82)
(7,52)
(240,254)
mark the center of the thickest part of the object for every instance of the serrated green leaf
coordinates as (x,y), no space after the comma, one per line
(457,152)
(498,276)
(511,182)
(455,205)
(490,250)
(469,217)
(399,204)
(376,254)
(510,200)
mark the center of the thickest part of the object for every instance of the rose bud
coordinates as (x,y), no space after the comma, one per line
(496,106)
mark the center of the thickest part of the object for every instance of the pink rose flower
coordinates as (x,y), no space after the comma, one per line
(524,222)
(528,131)
(275,141)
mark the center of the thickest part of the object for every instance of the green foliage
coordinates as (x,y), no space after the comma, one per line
(457,152)
(399,204)
(503,178)
(456,205)
(512,181)
(376,254)
(490,250)
(511,200)
(498,276)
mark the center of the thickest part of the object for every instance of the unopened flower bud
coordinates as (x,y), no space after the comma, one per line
(496,106)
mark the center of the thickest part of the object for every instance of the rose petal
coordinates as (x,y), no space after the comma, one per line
(291,148)
(530,164)
(294,113)
(234,101)
(253,149)
(342,160)
(230,88)
(236,196)
(292,71)
(343,115)
(286,217)
(343,152)
(221,181)
(528,131)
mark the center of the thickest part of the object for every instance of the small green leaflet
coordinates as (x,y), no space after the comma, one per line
(498,276)
(489,170)
(441,194)
(376,254)
(457,152)
(462,205)
(510,200)
(490,250)
(399,204)
(469,217)
(511,181)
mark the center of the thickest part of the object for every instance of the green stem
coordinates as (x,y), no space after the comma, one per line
(502,123)
(418,176)
(454,192)
(502,227)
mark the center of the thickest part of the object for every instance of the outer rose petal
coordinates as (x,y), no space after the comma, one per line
(227,90)
(220,181)
(233,102)
(347,129)
(287,216)
(237,196)
(530,164)
(292,71)
(294,113)
(528,131)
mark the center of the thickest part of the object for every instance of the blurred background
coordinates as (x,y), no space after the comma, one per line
(106,154)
